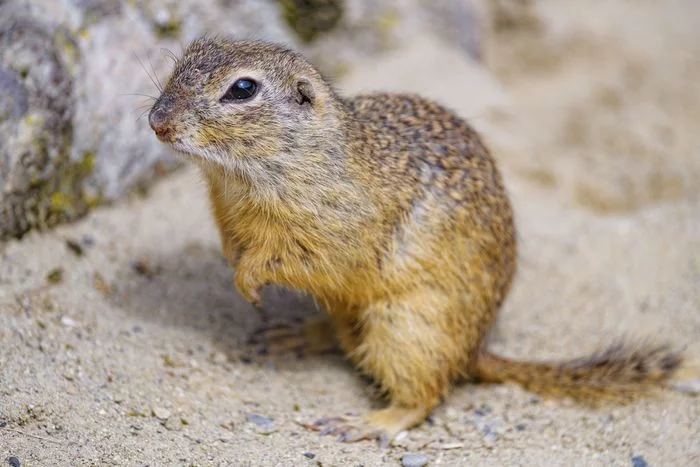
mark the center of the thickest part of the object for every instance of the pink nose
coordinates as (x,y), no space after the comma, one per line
(158,119)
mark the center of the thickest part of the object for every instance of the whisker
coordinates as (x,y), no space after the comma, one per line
(153,70)
(140,95)
(142,114)
(169,53)
(146,71)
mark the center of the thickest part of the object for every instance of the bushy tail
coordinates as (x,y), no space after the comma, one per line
(620,372)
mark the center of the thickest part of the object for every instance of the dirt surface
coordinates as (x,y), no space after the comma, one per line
(122,337)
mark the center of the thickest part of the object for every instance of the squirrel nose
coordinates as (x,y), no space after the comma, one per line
(158,119)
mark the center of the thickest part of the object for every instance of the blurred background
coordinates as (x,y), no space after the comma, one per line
(122,340)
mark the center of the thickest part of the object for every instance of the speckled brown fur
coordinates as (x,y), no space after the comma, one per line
(387,208)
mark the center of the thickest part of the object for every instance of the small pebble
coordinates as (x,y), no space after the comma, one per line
(267,425)
(173,424)
(160,412)
(218,358)
(55,276)
(88,241)
(101,285)
(75,247)
(309,455)
(142,268)
(449,446)
(605,419)
(14,462)
(68,322)
(414,460)
(639,461)
(490,437)
(483,410)
(520,427)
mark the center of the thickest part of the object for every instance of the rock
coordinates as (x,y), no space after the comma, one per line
(342,33)
(69,322)
(414,460)
(266,425)
(75,247)
(491,429)
(639,461)
(459,22)
(173,424)
(490,437)
(309,18)
(55,276)
(36,125)
(70,137)
(161,413)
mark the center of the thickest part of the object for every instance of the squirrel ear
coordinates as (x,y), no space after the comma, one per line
(305,92)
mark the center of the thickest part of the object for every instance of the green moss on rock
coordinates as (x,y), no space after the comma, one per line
(61,198)
(309,18)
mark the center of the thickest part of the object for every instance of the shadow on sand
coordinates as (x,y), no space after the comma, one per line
(194,289)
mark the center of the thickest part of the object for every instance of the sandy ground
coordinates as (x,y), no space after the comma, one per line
(133,356)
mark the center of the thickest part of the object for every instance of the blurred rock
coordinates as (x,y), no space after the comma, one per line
(309,18)
(70,79)
(346,32)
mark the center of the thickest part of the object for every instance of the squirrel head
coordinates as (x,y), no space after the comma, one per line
(228,102)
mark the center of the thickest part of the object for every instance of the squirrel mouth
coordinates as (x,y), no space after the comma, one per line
(182,148)
(179,146)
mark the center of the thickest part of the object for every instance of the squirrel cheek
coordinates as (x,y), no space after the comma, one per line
(204,137)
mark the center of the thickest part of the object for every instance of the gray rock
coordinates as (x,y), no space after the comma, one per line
(414,460)
(70,136)
(265,424)
(458,22)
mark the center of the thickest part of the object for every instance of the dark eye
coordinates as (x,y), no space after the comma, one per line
(240,90)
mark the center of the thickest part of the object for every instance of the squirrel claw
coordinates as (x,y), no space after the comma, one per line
(351,430)
(248,288)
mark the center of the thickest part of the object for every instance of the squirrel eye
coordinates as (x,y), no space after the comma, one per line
(240,90)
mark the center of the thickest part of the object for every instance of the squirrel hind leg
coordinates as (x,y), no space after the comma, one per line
(407,346)
(382,425)
(314,335)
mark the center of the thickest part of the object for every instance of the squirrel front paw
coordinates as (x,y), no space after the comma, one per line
(248,286)
(250,277)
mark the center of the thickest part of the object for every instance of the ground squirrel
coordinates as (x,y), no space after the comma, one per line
(387,208)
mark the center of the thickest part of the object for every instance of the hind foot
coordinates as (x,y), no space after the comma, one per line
(314,336)
(381,425)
